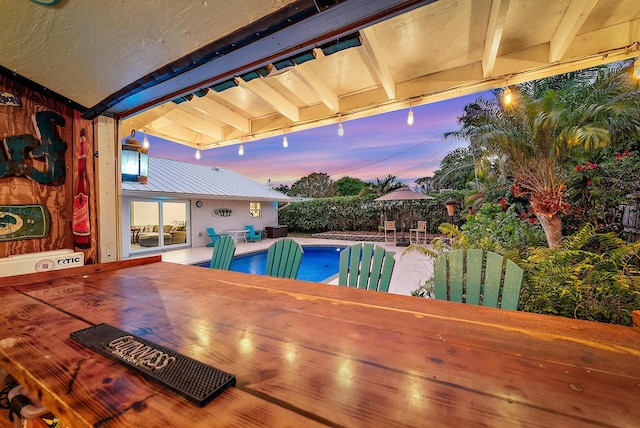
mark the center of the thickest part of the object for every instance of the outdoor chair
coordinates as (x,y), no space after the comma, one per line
(422,228)
(223,252)
(283,259)
(252,234)
(213,235)
(367,266)
(478,277)
(390,226)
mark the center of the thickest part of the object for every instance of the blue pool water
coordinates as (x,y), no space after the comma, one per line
(318,263)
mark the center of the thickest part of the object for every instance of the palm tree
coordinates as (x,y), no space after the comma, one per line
(551,121)
(382,186)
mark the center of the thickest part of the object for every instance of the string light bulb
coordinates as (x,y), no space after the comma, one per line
(340,130)
(240,150)
(410,116)
(285,142)
(145,141)
(507,96)
(198,154)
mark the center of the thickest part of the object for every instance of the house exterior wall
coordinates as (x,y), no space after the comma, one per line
(200,218)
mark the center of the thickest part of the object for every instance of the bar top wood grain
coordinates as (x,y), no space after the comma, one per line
(307,354)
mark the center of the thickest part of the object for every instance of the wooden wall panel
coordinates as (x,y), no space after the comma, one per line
(58,198)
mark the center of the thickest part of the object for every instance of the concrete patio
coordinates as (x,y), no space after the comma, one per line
(410,272)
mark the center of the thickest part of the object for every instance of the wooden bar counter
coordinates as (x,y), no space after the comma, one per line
(307,354)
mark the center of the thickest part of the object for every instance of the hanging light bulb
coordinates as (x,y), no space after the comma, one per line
(198,154)
(410,117)
(285,142)
(241,150)
(145,141)
(507,97)
(340,130)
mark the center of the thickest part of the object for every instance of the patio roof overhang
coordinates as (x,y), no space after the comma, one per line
(210,74)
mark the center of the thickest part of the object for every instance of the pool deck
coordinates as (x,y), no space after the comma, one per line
(410,271)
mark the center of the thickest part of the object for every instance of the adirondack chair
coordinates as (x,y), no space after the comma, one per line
(213,235)
(283,259)
(252,234)
(366,266)
(484,278)
(223,252)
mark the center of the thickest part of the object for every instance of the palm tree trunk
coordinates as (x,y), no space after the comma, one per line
(552,226)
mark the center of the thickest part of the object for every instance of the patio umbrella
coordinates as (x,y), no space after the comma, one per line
(403,194)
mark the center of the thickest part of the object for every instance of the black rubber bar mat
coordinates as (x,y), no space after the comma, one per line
(191,379)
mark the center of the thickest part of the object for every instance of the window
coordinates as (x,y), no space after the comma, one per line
(254,209)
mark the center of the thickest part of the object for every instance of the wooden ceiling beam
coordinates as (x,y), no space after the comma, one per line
(210,106)
(574,16)
(275,99)
(495,28)
(311,80)
(194,123)
(144,119)
(373,49)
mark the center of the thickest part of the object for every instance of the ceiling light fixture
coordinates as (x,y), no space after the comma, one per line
(198,142)
(241,150)
(198,154)
(340,127)
(285,142)
(410,116)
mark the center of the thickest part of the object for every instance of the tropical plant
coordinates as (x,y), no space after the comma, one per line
(551,120)
(382,186)
(592,276)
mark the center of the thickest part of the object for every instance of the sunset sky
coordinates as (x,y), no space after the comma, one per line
(371,148)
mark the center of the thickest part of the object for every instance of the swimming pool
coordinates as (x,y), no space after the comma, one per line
(319,263)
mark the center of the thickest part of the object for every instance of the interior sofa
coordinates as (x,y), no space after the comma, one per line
(149,234)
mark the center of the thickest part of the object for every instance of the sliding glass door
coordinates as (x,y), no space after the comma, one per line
(158,224)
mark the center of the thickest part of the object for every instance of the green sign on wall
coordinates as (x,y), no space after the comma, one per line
(23,222)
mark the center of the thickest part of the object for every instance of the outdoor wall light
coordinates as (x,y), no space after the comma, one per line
(134,163)
(451,207)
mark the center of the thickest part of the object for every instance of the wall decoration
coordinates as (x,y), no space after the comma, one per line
(10,100)
(41,160)
(222,212)
(23,222)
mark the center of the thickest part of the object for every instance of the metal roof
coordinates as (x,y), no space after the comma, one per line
(183,179)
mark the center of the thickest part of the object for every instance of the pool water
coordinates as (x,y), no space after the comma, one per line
(318,264)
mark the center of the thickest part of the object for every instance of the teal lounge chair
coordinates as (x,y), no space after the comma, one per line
(366,266)
(252,234)
(283,259)
(213,235)
(223,252)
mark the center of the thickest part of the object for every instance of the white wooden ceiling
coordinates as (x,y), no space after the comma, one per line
(114,57)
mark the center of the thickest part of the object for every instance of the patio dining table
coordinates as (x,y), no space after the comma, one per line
(237,233)
(308,354)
